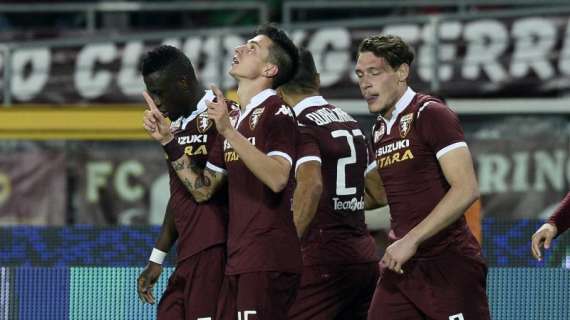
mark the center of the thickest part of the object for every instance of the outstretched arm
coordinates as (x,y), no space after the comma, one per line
(153,269)
(202,183)
(554,226)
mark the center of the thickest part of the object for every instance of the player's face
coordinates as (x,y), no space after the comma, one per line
(250,59)
(380,85)
(169,92)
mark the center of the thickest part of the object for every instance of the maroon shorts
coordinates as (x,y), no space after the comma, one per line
(451,287)
(194,286)
(335,292)
(257,296)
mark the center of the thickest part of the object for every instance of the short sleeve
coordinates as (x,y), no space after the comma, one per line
(439,127)
(307,146)
(282,133)
(216,156)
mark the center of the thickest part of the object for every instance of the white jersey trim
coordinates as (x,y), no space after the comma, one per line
(214,167)
(450,147)
(282,155)
(314,101)
(370,167)
(305,160)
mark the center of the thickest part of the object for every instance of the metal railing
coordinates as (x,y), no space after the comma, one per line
(90,10)
(433,21)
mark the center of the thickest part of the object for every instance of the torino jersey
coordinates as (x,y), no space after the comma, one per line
(261,233)
(199,226)
(338,233)
(407,148)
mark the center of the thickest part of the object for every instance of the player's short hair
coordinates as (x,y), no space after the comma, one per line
(282,53)
(392,48)
(306,79)
(164,56)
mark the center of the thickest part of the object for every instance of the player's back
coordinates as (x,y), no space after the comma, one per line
(338,233)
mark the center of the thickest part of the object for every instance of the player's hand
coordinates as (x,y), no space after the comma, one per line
(542,237)
(218,111)
(155,124)
(146,281)
(399,253)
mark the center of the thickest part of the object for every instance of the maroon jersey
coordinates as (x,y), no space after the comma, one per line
(199,226)
(337,234)
(407,148)
(561,217)
(261,233)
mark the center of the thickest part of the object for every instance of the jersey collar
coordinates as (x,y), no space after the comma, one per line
(200,107)
(313,101)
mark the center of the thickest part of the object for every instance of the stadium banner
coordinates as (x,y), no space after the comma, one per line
(33,187)
(119,182)
(491,56)
(522,163)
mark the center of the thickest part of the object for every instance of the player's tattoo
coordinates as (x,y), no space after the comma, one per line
(188,184)
(204,180)
(178,164)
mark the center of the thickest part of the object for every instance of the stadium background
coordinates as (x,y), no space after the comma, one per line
(82,189)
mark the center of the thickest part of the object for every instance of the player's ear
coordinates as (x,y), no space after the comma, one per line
(270,70)
(403,72)
(318,80)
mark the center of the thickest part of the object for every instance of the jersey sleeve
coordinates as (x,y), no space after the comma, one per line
(307,146)
(439,127)
(561,217)
(216,156)
(282,134)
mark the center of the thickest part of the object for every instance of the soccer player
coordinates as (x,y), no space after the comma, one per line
(433,268)
(200,229)
(340,267)
(255,151)
(558,222)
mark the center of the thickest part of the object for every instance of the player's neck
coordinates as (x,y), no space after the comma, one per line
(389,114)
(197,93)
(247,89)
(293,99)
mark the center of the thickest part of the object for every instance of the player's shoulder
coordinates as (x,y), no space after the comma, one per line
(427,106)
(274,106)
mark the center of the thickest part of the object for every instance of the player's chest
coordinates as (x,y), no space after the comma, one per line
(196,137)
(252,126)
(398,146)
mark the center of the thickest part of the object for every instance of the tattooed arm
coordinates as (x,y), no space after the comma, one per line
(201,182)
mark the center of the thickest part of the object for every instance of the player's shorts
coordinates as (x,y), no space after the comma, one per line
(257,296)
(451,287)
(194,286)
(341,292)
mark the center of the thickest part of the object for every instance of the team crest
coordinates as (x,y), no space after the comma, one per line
(406,124)
(255,116)
(203,122)
(379,133)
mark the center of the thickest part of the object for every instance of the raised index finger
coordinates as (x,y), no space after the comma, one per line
(219,94)
(150,102)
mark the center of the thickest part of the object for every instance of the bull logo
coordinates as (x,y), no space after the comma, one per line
(406,124)
(203,122)
(254,118)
